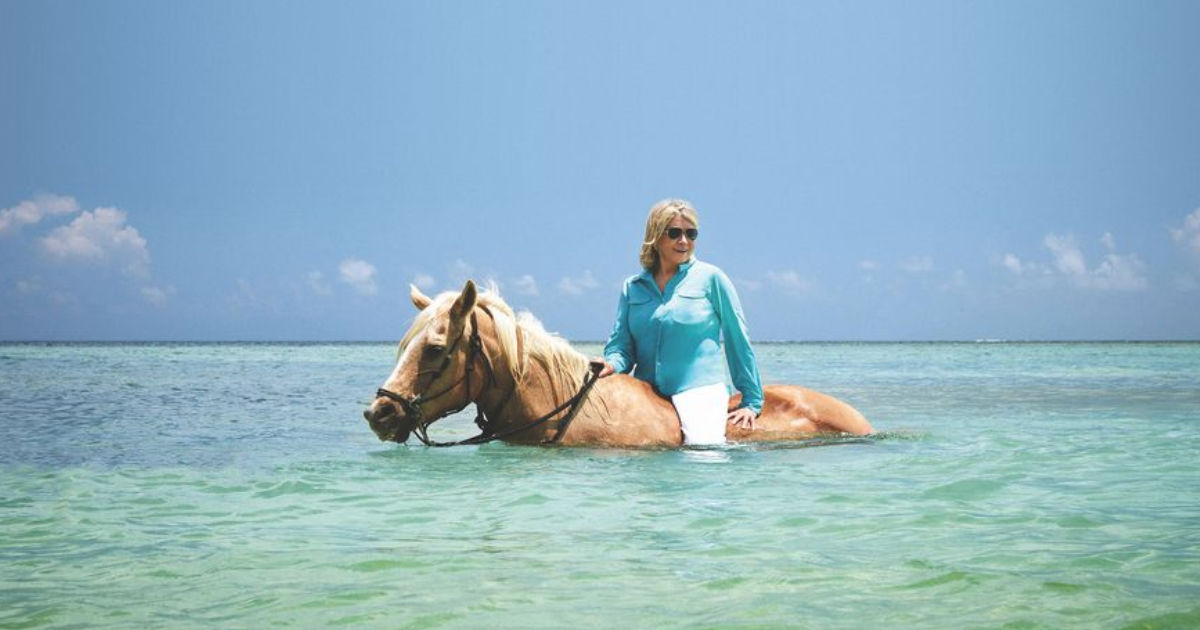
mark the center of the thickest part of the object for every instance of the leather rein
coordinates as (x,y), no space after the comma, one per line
(414,407)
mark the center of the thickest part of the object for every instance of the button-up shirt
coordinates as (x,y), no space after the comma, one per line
(672,338)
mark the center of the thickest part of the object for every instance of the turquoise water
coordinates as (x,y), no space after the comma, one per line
(237,486)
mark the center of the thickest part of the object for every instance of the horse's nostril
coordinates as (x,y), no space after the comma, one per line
(379,412)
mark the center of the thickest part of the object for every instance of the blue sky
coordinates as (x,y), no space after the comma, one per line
(863,170)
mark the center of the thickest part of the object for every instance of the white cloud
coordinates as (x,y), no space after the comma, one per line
(31,211)
(1108,241)
(917,264)
(157,295)
(578,285)
(1068,259)
(1026,267)
(748,285)
(1013,264)
(30,286)
(1119,273)
(1189,234)
(1116,272)
(423,281)
(100,236)
(318,284)
(459,272)
(359,274)
(868,265)
(245,297)
(790,281)
(958,280)
(99,239)
(526,285)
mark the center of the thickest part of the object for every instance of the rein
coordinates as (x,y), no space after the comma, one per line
(414,407)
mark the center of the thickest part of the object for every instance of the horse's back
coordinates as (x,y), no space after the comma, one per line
(790,410)
(624,411)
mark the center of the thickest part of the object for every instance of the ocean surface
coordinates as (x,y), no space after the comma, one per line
(1013,485)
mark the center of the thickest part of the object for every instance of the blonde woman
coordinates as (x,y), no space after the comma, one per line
(670,321)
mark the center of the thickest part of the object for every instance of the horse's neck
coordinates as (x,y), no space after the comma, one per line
(537,392)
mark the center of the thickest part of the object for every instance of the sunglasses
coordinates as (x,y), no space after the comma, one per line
(674,233)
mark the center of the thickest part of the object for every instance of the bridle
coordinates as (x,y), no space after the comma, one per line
(414,407)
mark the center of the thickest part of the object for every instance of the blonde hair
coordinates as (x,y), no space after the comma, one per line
(661,215)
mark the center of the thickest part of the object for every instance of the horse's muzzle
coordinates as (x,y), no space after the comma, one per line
(386,420)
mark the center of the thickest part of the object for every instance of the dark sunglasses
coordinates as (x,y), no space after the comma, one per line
(675,233)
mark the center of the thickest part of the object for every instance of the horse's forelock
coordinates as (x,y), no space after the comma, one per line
(440,305)
(490,299)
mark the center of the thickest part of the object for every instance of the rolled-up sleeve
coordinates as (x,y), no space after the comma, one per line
(743,367)
(619,352)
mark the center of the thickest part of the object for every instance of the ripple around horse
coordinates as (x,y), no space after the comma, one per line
(469,347)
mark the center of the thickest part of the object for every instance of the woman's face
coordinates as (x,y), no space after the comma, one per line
(673,252)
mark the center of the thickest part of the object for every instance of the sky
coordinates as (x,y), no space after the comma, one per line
(230,170)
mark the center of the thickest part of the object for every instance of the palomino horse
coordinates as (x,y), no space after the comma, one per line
(469,347)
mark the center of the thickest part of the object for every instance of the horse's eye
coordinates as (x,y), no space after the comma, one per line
(434,350)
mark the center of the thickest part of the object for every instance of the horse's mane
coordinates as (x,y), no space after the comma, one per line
(562,362)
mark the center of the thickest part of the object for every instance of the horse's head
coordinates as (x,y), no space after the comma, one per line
(432,377)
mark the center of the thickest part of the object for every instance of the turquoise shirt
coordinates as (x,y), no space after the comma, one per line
(673,337)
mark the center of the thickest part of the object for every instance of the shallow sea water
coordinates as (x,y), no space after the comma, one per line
(237,486)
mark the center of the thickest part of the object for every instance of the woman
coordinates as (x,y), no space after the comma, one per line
(669,323)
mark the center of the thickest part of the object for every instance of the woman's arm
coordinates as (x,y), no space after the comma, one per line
(743,368)
(618,352)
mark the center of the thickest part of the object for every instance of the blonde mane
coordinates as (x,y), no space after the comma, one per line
(562,362)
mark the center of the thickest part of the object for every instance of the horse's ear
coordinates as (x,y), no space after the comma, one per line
(465,303)
(419,300)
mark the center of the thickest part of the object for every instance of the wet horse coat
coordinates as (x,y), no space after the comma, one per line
(519,373)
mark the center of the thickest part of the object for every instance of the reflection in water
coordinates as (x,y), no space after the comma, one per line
(707,454)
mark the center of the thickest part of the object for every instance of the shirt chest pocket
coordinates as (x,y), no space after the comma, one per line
(641,308)
(691,308)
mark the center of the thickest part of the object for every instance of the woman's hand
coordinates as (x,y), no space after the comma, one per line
(604,371)
(743,417)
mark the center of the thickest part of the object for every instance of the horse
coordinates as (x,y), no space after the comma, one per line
(531,387)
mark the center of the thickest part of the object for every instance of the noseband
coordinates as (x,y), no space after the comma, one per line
(414,407)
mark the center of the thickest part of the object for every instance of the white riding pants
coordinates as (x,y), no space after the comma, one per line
(702,413)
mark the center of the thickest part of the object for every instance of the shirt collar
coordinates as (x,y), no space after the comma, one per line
(683,267)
